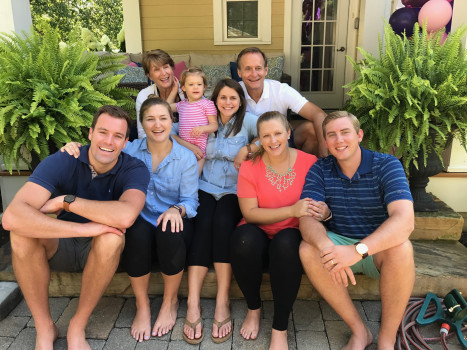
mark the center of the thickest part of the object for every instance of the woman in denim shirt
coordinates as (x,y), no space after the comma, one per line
(164,228)
(218,213)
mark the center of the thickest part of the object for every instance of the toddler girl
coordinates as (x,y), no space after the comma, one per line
(197,114)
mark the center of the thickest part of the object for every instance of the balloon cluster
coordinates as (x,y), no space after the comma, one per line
(435,14)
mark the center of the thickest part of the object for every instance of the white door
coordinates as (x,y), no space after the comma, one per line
(318,49)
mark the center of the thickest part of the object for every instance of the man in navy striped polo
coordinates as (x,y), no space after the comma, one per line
(368,232)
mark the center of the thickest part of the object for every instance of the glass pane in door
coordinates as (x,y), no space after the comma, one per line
(318,45)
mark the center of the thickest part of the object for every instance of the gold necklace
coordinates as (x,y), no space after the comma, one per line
(281,182)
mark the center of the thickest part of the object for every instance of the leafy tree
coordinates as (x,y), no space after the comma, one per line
(99,16)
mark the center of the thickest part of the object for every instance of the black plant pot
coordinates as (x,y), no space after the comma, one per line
(418,180)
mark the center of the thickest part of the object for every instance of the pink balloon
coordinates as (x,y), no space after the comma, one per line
(436,14)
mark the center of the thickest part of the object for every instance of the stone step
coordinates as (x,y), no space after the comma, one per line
(445,224)
(440,267)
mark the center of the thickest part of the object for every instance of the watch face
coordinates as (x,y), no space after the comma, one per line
(361,248)
(69,198)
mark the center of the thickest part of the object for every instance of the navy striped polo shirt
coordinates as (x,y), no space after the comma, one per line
(358,205)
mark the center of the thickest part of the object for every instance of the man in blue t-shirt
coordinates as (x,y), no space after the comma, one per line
(96,196)
(367,232)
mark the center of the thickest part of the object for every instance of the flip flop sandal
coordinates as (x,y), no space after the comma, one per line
(193,325)
(218,340)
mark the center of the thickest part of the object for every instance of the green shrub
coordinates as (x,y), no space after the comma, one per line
(414,95)
(49,92)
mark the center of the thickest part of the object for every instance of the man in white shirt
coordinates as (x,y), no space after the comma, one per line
(264,95)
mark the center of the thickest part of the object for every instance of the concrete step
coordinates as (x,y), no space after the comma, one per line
(440,267)
(445,224)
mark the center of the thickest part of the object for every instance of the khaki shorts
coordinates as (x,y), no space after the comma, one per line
(71,255)
(365,266)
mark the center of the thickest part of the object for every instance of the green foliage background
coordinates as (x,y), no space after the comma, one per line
(49,94)
(99,16)
(414,95)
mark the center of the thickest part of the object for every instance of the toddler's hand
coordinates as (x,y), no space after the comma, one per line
(196,132)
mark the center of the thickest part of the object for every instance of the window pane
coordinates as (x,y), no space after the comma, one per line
(318,33)
(305,80)
(328,80)
(329,57)
(306,57)
(316,80)
(242,19)
(330,33)
(331,10)
(317,61)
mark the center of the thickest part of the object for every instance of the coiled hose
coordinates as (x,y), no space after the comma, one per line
(409,337)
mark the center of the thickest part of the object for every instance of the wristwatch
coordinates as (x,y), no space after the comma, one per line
(361,249)
(69,198)
(178,208)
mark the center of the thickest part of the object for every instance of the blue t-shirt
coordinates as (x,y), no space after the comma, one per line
(62,174)
(358,205)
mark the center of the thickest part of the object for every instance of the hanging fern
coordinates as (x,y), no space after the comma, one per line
(48,94)
(414,95)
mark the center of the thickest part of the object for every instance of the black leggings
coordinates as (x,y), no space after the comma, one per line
(251,251)
(214,225)
(144,242)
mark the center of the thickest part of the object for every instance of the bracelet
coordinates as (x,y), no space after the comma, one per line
(175,206)
(250,153)
(328,218)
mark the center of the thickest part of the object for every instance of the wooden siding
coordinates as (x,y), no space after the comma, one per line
(183,26)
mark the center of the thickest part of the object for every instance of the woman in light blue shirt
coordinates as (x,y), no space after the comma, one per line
(218,213)
(164,228)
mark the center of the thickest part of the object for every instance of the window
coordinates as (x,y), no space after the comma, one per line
(242,22)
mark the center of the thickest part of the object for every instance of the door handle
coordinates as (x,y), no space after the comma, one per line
(342,48)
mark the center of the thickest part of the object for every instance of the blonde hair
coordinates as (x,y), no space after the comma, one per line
(192,71)
(265,117)
(341,114)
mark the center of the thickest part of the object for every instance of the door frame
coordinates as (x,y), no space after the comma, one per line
(292,29)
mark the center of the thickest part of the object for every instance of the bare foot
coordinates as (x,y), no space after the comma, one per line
(250,326)
(46,337)
(193,313)
(141,327)
(359,341)
(166,318)
(221,313)
(76,337)
(278,340)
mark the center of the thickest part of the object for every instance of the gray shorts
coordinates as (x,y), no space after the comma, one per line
(71,255)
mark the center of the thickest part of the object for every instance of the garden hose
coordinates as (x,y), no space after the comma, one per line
(421,309)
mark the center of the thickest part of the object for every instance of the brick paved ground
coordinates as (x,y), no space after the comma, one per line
(313,325)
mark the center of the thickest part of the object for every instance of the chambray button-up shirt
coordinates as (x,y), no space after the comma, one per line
(219,175)
(174,182)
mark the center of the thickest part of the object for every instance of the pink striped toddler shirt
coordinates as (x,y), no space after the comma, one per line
(192,115)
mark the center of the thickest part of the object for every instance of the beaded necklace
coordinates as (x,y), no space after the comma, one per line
(281,182)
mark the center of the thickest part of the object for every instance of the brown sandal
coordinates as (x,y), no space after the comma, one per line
(218,340)
(193,325)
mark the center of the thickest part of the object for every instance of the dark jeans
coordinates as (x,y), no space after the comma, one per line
(144,242)
(214,225)
(251,252)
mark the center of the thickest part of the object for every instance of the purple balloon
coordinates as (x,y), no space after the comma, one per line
(403,19)
(414,3)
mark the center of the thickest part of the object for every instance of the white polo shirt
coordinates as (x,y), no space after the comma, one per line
(276,97)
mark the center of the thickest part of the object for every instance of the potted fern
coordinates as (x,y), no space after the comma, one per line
(49,92)
(412,99)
